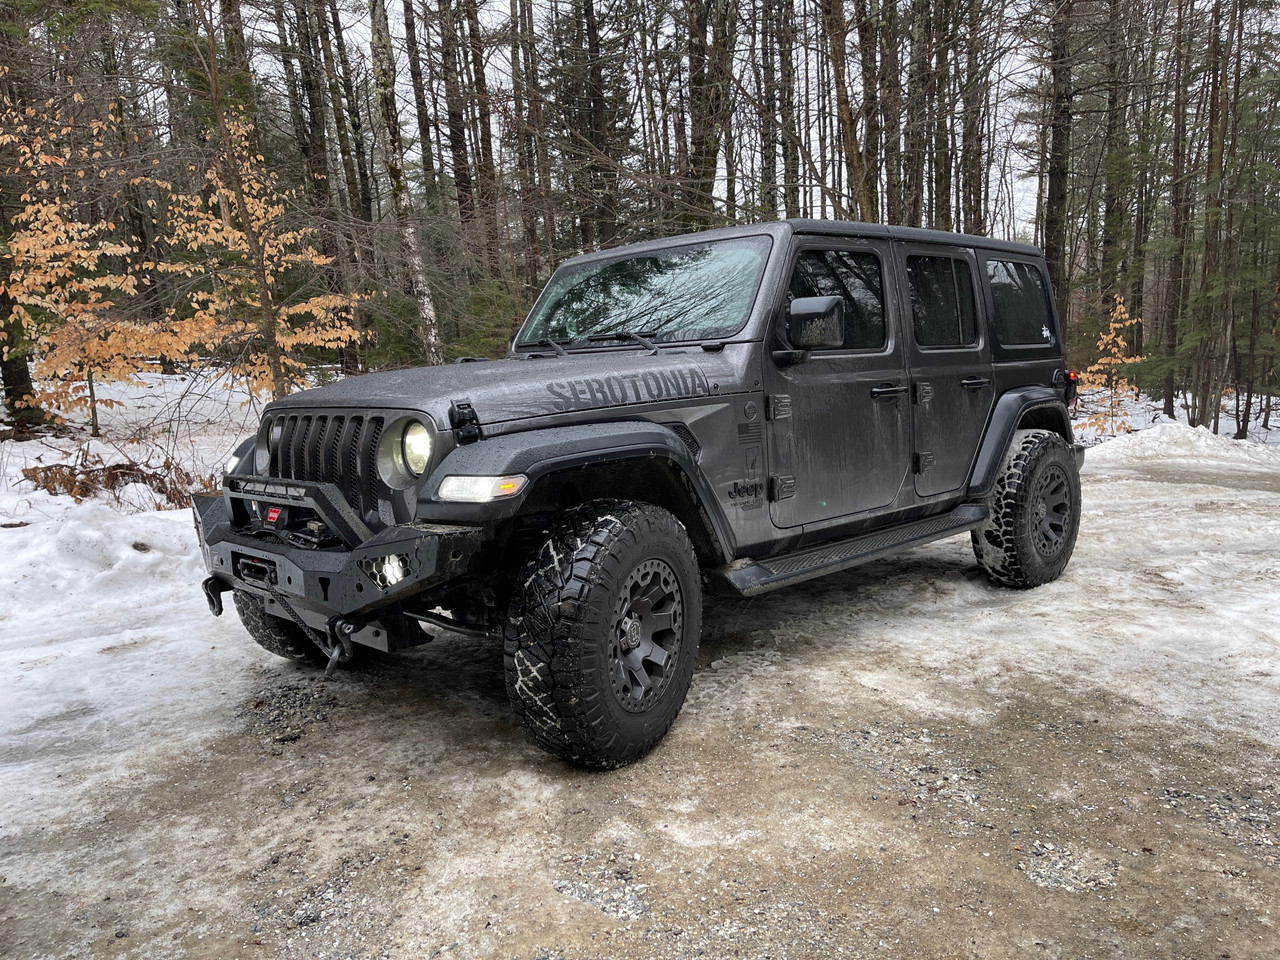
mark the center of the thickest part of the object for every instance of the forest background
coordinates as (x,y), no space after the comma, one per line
(290,185)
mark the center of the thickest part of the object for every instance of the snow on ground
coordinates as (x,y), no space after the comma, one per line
(1142,412)
(106,644)
(193,421)
(108,652)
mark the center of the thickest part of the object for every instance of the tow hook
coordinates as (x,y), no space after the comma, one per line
(213,591)
(340,631)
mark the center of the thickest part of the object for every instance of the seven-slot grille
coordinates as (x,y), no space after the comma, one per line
(331,449)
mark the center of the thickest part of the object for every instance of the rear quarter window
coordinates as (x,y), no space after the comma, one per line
(1020,315)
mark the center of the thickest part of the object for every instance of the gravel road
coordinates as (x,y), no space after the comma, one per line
(898,761)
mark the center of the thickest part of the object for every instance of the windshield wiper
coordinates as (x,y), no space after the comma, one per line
(640,338)
(547,342)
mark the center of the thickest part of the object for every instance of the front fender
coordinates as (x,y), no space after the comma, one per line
(538,453)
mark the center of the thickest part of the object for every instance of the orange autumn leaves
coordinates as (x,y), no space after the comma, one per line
(239,281)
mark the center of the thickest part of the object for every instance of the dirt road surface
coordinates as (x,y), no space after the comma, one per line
(898,761)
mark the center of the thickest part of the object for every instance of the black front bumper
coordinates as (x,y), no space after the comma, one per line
(364,572)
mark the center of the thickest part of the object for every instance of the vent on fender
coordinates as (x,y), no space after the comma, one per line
(687,438)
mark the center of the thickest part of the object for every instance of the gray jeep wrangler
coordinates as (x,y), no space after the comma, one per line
(733,411)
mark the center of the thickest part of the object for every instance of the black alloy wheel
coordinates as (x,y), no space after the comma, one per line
(602,632)
(647,625)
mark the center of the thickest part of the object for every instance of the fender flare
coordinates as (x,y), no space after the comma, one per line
(1009,411)
(541,452)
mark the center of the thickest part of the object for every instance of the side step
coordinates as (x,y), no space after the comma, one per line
(751,577)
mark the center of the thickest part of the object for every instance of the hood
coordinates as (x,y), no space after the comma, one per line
(520,389)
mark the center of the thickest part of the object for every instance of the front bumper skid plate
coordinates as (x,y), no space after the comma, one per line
(366,571)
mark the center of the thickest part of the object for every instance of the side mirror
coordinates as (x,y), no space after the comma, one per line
(816,323)
(813,323)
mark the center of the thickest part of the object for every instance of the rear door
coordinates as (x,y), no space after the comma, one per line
(949,364)
(839,422)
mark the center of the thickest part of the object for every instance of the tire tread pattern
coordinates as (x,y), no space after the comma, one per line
(553,633)
(1002,544)
(273,634)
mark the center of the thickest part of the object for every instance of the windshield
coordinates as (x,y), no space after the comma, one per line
(692,292)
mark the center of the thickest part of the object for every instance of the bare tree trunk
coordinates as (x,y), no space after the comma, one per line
(487,178)
(915,113)
(228,165)
(973,165)
(868,43)
(287,62)
(787,107)
(1179,202)
(710,63)
(1212,314)
(315,149)
(600,178)
(1061,100)
(456,121)
(15,376)
(766,72)
(542,169)
(384,79)
(1143,184)
(421,109)
(353,113)
(1116,150)
(837,37)
(336,107)
(524,151)
(891,111)
(240,80)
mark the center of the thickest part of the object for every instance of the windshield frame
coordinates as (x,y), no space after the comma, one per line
(527,339)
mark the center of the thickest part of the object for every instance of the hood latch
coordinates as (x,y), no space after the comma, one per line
(463,419)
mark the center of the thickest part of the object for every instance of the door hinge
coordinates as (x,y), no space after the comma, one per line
(924,461)
(782,488)
(924,392)
(778,407)
(463,419)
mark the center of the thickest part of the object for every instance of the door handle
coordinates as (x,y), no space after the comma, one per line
(975,383)
(887,391)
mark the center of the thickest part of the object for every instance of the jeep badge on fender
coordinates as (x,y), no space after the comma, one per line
(736,410)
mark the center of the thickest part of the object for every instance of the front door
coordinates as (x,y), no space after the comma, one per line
(952,383)
(839,421)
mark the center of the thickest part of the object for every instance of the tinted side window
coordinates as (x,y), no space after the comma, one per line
(942,308)
(855,277)
(1020,302)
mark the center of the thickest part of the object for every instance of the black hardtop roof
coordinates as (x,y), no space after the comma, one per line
(850,228)
(783,229)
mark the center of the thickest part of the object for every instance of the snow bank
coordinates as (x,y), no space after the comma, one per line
(1141,413)
(1170,442)
(107,649)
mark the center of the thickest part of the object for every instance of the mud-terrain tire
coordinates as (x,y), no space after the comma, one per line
(602,633)
(279,636)
(1034,515)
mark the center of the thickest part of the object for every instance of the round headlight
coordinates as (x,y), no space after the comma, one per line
(268,439)
(417,447)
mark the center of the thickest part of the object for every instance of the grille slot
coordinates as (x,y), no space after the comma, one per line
(331,448)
